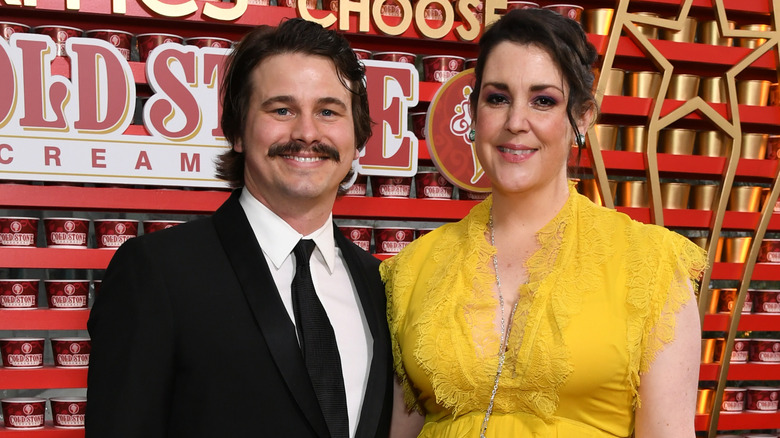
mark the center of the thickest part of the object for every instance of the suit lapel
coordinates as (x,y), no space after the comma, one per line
(260,291)
(374,310)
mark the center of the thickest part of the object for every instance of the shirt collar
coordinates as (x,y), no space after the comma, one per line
(277,238)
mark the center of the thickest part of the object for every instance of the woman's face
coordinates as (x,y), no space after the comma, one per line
(523,135)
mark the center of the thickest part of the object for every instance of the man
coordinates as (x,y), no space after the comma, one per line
(198,330)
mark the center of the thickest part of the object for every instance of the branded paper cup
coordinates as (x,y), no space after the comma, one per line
(432,185)
(765,350)
(22,352)
(59,34)
(68,412)
(112,233)
(727,297)
(66,232)
(391,240)
(18,294)
(418,124)
(359,187)
(441,68)
(310,4)
(220,43)
(434,12)
(571,11)
(67,294)
(739,354)
(391,12)
(152,226)
(71,352)
(23,412)
(769,251)
(391,187)
(7,29)
(762,399)
(148,41)
(766,301)
(120,39)
(360,235)
(18,231)
(423,231)
(733,400)
(407,58)
(362,53)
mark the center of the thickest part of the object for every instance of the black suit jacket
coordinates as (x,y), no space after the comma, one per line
(190,339)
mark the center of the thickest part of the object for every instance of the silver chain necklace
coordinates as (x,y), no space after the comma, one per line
(504,331)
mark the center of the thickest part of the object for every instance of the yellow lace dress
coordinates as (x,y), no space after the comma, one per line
(600,303)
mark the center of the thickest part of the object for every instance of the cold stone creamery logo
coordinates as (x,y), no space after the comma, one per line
(72,418)
(68,237)
(734,405)
(26,359)
(74,359)
(69,299)
(438,191)
(17,299)
(355,235)
(26,420)
(115,240)
(15,238)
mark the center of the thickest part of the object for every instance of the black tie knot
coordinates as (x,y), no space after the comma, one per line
(302,251)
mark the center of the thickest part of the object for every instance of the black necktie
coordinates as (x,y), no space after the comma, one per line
(318,343)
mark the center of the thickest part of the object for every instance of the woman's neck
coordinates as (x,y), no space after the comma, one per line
(528,212)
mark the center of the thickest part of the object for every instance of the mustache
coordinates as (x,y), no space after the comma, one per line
(294,147)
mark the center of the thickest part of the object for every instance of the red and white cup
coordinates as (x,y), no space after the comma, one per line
(67,294)
(441,68)
(733,400)
(362,53)
(66,232)
(434,13)
(360,235)
(762,399)
(151,226)
(123,41)
(71,352)
(59,34)
(359,187)
(18,231)
(765,350)
(391,240)
(219,43)
(112,233)
(68,412)
(391,12)
(403,57)
(769,251)
(22,352)
(432,185)
(728,296)
(18,294)
(766,301)
(310,4)
(23,413)
(739,353)
(570,11)
(418,124)
(148,41)
(391,186)
(7,29)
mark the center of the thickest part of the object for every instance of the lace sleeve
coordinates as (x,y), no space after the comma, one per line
(658,288)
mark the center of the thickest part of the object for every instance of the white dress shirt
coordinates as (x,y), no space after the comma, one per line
(334,287)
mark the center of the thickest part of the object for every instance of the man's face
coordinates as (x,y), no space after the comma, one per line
(299,137)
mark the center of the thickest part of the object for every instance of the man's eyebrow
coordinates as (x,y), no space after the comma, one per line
(289,100)
(278,99)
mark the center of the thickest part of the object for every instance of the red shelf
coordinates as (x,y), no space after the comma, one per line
(741,371)
(55,258)
(747,322)
(733,271)
(48,431)
(746,420)
(43,378)
(43,319)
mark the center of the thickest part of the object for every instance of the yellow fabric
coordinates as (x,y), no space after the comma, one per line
(600,303)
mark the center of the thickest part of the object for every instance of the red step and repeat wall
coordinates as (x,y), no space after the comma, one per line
(109,116)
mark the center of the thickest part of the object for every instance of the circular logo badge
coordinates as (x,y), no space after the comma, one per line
(454,64)
(400,235)
(17,289)
(8,31)
(62,36)
(447,134)
(69,289)
(73,408)
(120,228)
(740,396)
(74,347)
(69,226)
(28,409)
(26,348)
(115,40)
(16,226)
(354,234)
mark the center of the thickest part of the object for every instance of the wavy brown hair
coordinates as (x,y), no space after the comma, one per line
(291,36)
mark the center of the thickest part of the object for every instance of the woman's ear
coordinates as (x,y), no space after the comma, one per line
(238,147)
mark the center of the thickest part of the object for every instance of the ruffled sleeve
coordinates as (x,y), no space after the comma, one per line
(666,268)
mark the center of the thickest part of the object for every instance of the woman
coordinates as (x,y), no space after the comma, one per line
(541,314)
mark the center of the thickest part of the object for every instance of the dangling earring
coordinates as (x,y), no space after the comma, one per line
(472,135)
(580,140)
